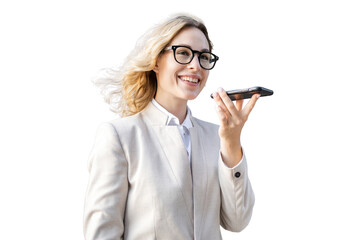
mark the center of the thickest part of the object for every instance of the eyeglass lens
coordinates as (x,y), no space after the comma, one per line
(184,55)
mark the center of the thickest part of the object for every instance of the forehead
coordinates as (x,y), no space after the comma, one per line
(192,37)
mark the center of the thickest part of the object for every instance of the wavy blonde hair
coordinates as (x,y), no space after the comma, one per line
(129,89)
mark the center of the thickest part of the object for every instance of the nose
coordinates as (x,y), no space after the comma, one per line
(194,64)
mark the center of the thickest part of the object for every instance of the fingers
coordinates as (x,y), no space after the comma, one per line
(222,115)
(250,105)
(232,116)
(225,102)
(226,108)
(220,103)
(239,104)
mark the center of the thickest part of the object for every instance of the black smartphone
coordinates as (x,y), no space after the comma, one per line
(247,93)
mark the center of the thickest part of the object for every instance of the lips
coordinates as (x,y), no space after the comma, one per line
(190,79)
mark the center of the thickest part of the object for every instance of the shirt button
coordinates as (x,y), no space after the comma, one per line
(237,174)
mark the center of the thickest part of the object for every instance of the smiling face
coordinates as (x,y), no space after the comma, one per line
(177,83)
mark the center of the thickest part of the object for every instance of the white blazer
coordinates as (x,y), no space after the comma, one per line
(141,186)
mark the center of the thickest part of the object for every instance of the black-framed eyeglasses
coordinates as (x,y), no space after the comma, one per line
(184,55)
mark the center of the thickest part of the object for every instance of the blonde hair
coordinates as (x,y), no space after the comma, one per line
(129,89)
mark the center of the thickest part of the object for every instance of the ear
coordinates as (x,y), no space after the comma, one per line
(156,68)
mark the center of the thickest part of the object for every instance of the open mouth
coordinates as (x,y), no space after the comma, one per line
(192,80)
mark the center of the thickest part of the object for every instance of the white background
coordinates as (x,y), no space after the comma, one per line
(301,143)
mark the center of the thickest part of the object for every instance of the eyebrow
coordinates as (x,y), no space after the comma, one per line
(202,50)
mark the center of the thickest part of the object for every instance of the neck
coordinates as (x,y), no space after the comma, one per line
(175,107)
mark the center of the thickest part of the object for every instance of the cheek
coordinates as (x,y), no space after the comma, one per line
(168,69)
(206,75)
(168,75)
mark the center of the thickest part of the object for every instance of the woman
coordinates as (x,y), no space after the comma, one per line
(158,172)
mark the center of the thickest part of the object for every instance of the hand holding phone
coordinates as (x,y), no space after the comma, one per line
(247,93)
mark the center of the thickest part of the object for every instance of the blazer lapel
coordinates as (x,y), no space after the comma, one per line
(199,171)
(174,152)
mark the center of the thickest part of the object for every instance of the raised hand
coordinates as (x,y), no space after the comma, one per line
(232,120)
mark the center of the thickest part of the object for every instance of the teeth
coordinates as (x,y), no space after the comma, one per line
(189,79)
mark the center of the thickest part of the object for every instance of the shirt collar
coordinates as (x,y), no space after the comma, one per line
(173,120)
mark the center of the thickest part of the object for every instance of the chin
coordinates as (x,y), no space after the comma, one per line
(191,96)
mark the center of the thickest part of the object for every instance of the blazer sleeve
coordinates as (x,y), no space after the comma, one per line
(107,187)
(237,196)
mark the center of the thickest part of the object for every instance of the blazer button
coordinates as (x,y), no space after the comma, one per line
(237,174)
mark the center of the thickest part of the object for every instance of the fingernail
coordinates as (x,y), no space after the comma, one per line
(215,94)
(258,96)
(220,89)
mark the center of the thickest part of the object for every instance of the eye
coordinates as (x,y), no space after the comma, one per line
(205,57)
(183,52)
